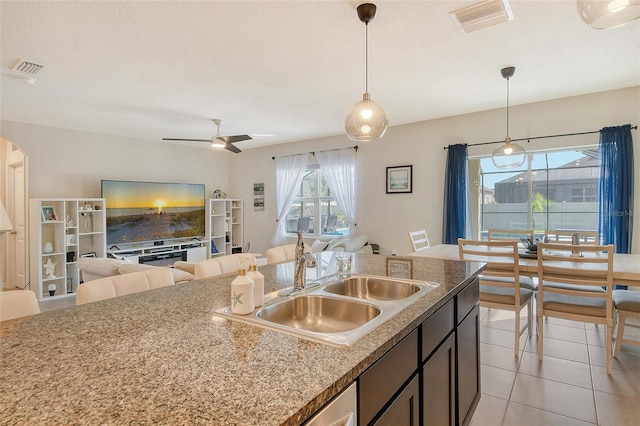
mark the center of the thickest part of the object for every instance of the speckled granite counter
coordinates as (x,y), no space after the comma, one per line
(162,357)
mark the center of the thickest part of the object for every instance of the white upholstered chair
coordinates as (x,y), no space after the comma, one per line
(207,268)
(566,287)
(500,281)
(281,253)
(17,303)
(120,285)
(419,240)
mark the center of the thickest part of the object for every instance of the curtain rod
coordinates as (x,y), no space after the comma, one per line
(537,137)
(314,152)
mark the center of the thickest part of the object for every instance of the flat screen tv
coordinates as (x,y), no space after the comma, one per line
(152,211)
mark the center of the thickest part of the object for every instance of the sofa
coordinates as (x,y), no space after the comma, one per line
(220,265)
(121,285)
(97,268)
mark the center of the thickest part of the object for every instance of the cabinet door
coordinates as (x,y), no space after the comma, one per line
(468,375)
(384,378)
(439,386)
(404,410)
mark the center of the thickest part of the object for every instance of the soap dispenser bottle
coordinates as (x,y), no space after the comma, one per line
(242,294)
(258,284)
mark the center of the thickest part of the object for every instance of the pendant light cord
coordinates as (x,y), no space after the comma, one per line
(507,140)
(366,57)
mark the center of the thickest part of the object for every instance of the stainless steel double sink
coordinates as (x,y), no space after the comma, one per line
(335,311)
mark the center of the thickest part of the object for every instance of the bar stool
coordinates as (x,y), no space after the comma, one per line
(627,302)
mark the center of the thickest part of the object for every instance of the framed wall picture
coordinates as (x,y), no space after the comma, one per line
(399,179)
(398,267)
(49,213)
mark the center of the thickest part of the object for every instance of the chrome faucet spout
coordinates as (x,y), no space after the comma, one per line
(299,265)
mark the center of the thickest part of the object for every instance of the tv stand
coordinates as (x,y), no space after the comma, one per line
(163,255)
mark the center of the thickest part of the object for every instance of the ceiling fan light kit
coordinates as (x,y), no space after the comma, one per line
(366,120)
(509,154)
(607,14)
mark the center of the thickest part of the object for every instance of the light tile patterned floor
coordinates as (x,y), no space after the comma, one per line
(569,387)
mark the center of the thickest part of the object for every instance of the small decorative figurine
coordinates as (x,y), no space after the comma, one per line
(49,268)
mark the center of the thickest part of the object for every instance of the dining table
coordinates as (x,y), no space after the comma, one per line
(626,267)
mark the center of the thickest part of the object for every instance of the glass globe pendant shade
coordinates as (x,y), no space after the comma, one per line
(605,14)
(366,120)
(509,155)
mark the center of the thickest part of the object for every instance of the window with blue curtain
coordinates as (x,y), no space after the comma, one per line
(455,217)
(615,192)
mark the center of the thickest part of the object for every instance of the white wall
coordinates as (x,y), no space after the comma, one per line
(66,163)
(69,163)
(387,218)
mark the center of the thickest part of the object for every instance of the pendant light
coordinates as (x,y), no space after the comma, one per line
(509,154)
(606,14)
(366,120)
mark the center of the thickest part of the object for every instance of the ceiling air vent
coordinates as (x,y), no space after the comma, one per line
(27,67)
(482,15)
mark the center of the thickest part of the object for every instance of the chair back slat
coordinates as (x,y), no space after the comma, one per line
(563,236)
(510,234)
(419,240)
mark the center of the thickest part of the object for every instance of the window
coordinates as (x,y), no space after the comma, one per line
(552,190)
(314,211)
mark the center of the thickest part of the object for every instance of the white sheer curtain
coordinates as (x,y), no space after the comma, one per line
(289,173)
(338,168)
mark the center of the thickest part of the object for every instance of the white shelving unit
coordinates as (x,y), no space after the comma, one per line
(62,230)
(225,226)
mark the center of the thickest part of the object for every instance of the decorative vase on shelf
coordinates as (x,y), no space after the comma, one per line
(88,222)
(48,247)
(52,289)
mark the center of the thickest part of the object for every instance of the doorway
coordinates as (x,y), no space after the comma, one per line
(15,195)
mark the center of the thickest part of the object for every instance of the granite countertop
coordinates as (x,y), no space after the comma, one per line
(161,356)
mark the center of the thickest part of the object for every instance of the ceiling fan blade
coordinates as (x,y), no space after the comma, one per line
(232,148)
(236,138)
(186,140)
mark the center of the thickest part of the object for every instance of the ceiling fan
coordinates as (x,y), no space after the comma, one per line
(218,141)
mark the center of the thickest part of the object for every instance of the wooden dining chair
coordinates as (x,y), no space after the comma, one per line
(500,281)
(419,240)
(514,235)
(510,234)
(563,236)
(627,304)
(570,287)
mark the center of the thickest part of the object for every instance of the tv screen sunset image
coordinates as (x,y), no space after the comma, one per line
(149,211)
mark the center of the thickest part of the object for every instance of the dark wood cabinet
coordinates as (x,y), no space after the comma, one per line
(468,371)
(432,377)
(383,379)
(405,408)
(439,385)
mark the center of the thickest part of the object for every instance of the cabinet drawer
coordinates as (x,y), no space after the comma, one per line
(384,378)
(467,299)
(436,328)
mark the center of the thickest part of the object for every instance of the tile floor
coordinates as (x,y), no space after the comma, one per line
(569,387)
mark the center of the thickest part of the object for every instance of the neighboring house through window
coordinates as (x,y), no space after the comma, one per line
(552,190)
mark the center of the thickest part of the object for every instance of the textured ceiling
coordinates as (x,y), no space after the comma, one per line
(291,69)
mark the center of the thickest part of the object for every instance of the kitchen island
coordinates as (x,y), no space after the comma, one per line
(163,357)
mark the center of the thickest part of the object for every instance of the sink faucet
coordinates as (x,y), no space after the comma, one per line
(299,265)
